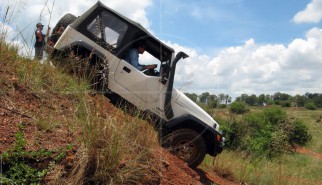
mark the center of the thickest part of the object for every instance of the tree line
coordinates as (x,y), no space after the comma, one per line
(308,100)
(210,100)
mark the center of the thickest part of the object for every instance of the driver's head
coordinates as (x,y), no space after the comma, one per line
(141,47)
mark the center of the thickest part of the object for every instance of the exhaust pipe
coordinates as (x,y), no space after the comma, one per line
(167,102)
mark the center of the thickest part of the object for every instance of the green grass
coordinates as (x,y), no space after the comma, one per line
(299,165)
(289,168)
(315,128)
(46,78)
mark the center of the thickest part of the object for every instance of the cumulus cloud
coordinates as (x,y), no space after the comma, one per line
(311,14)
(255,69)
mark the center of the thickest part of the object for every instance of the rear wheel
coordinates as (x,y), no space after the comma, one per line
(64,22)
(187,145)
(57,32)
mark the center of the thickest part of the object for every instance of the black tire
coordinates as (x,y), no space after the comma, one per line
(56,33)
(65,21)
(187,145)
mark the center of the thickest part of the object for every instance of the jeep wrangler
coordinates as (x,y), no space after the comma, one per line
(184,128)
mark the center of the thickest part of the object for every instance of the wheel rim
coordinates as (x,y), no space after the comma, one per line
(185,149)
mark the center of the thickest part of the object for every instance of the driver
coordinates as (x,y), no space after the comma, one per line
(132,57)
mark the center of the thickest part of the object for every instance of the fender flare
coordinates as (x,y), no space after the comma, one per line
(208,133)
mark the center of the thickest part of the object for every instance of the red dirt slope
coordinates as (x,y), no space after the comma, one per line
(20,106)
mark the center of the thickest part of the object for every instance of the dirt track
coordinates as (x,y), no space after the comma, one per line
(315,155)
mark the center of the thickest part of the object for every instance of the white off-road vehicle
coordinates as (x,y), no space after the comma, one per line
(105,35)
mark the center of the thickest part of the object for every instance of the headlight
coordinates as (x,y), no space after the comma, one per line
(218,137)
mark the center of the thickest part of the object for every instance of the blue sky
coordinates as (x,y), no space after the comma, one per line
(235,46)
(221,23)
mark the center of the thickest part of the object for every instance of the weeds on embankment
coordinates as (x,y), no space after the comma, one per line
(111,149)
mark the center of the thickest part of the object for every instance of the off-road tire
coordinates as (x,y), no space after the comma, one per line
(187,145)
(65,21)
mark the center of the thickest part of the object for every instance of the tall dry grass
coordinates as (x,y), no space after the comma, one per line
(112,148)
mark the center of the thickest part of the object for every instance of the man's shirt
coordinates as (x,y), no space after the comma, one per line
(37,43)
(132,57)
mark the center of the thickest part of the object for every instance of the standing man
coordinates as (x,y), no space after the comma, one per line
(132,57)
(40,41)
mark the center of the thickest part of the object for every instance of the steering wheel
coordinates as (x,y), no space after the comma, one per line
(151,72)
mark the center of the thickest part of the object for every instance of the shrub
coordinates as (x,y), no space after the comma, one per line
(285,103)
(267,133)
(274,115)
(222,106)
(310,106)
(238,107)
(300,134)
(231,131)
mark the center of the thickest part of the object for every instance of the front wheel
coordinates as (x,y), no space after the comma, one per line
(187,145)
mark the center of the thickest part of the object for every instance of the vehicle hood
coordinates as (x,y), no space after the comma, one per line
(192,108)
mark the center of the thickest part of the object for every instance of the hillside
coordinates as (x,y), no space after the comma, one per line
(54,132)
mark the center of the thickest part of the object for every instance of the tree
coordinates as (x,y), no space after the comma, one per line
(285,96)
(227,99)
(238,98)
(261,99)
(212,101)
(203,98)
(299,101)
(318,101)
(221,98)
(251,100)
(311,95)
(192,96)
(269,99)
(212,97)
(244,97)
(277,96)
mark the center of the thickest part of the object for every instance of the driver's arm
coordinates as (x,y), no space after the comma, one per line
(134,59)
(150,66)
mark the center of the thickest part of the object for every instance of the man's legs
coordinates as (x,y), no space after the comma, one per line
(39,51)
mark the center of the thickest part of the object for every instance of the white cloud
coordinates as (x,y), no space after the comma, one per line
(251,68)
(311,14)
